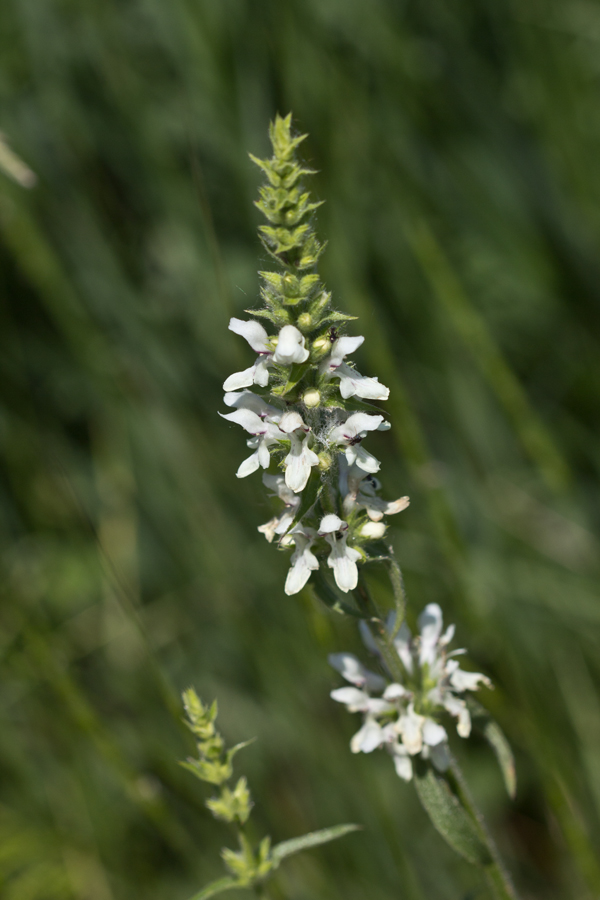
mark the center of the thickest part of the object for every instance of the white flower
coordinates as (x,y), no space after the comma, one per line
(359,490)
(265,435)
(465,681)
(359,701)
(404,719)
(350,434)
(301,458)
(259,340)
(290,347)
(352,383)
(279,524)
(248,400)
(342,558)
(402,761)
(303,561)
(368,738)
(353,671)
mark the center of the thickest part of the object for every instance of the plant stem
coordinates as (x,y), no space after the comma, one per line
(383,639)
(496,873)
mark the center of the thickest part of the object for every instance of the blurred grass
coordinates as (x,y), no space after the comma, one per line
(458,154)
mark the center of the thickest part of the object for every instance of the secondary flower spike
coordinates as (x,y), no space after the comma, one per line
(293,399)
(407,718)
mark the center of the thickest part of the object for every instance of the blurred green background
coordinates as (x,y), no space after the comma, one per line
(458,153)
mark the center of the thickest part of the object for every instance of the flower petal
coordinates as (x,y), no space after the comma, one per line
(468,681)
(239,380)
(430,626)
(329,524)
(402,762)
(342,348)
(351,668)
(298,463)
(363,459)
(373,530)
(355,700)
(251,331)
(368,738)
(411,728)
(394,691)
(433,733)
(249,421)
(248,466)
(291,421)
(290,347)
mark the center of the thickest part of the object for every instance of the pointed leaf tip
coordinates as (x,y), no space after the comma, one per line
(312,839)
(217,887)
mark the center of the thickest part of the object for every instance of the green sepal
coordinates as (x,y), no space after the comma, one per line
(280,133)
(493,734)
(292,216)
(336,316)
(200,718)
(233,804)
(267,167)
(448,815)
(215,772)
(282,240)
(310,253)
(312,839)
(278,318)
(218,886)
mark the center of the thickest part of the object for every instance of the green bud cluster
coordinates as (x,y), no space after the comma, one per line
(214,762)
(232,805)
(294,295)
(249,866)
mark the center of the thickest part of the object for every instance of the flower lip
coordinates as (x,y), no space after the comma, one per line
(253,332)
(330,524)
(290,347)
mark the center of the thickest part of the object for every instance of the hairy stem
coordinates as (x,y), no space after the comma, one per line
(496,873)
(383,638)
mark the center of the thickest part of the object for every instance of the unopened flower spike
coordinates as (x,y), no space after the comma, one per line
(292,400)
(252,865)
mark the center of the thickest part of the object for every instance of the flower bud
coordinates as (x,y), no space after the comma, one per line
(372,530)
(321,346)
(324,460)
(304,321)
(312,398)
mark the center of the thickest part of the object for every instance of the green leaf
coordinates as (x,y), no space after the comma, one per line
(312,839)
(233,750)
(296,374)
(493,734)
(328,596)
(217,887)
(448,815)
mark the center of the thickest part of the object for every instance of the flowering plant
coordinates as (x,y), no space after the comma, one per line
(308,411)
(405,719)
(251,866)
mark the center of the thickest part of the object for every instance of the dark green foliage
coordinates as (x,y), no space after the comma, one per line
(457,149)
